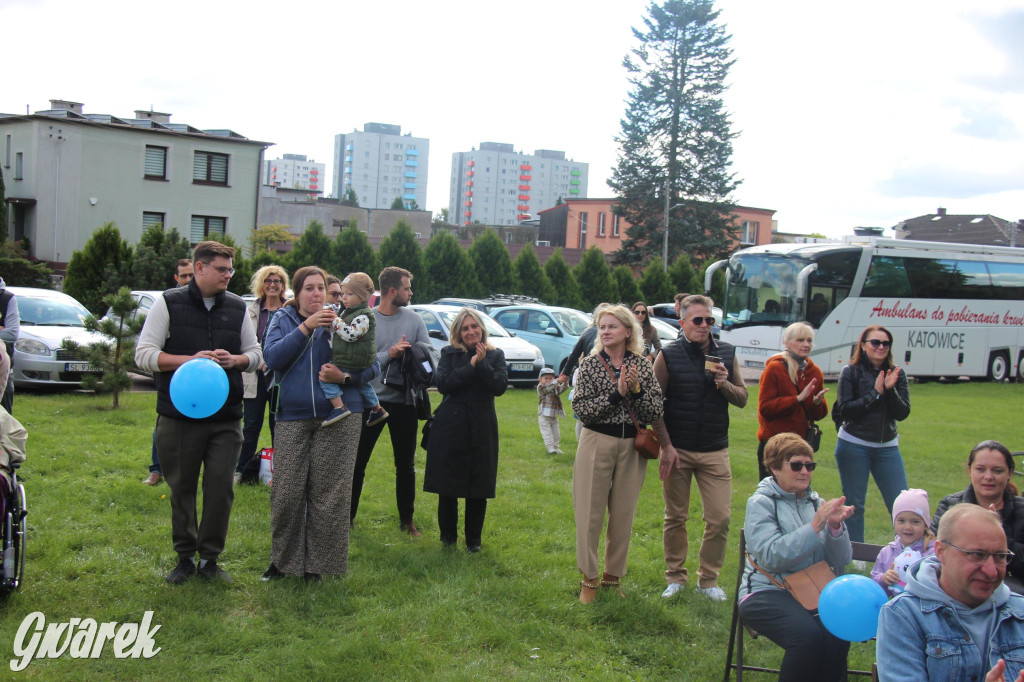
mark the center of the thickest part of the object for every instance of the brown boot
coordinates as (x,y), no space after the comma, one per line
(411,529)
(609,580)
(154,478)
(588,590)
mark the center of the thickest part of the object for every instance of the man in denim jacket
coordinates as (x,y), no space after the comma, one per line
(956,620)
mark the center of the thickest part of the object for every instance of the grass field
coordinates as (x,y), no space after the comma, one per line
(99,546)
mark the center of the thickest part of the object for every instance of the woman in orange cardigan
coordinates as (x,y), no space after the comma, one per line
(792,393)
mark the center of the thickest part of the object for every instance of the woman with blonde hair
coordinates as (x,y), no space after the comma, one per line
(614,380)
(462,452)
(268,285)
(792,394)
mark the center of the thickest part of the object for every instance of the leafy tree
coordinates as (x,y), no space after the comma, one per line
(493,264)
(22,272)
(533,281)
(103,264)
(676,131)
(349,198)
(564,285)
(156,257)
(412,205)
(655,284)
(683,277)
(114,357)
(595,278)
(353,253)
(625,283)
(3,209)
(398,204)
(401,249)
(312,248)
(449,270)
(263,236)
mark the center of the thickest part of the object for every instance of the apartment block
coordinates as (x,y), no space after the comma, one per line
(381,164)
(295,171)
(497,185)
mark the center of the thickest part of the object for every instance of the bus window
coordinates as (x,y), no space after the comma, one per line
(933,278)
(1007,280)
(830,283)
(887,277)
(972,280)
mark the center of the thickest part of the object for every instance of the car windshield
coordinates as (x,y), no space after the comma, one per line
(493,328)
(51,312)
(573,321)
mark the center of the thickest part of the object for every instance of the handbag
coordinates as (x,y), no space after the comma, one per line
(646,440)
(427,425)
(805,585)
(813,436)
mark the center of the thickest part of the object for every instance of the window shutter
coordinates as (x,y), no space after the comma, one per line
(199,166)
(198,231)
(156,162)
(218,168)
(216,227)
(149,219)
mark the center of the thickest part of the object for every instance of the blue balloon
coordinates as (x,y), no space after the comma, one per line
(199,388)
(849,607)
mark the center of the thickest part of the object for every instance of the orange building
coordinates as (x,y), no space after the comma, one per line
(582,223)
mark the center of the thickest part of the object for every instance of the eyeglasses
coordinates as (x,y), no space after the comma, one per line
(977,556)
(273,282)
(799,466)
(222,269)
(639,312)
(878,343)
(698,321)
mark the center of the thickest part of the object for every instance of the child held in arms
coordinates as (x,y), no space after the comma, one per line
(914,541)
(354,347)
(549,409)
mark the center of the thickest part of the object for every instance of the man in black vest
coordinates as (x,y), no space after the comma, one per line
(694,435)
(201,320)
(10,326)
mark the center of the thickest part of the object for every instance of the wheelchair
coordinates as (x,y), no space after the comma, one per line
(12,532)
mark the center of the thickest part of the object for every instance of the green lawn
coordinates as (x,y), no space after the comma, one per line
(100,545)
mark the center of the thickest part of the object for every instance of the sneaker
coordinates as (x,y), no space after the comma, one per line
(272,573)
(154,478)
(377,416)
(671,590)
(714,593)
(336,415)
(185,569)
(210,570)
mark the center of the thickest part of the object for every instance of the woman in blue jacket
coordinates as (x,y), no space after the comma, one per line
(312,490)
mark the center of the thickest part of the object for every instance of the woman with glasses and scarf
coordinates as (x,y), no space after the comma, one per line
(268,285)
(873,396)
(652,344)
(789,527)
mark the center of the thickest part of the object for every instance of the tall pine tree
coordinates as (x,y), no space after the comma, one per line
(595,279)
(493,264)
(353,253)
(676,131)
(450,272)
(312,248)
(625,283)
(400,249)
(532,279)
(563,283)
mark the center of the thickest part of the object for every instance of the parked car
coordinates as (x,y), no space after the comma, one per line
(146,298)
(666,312)
(666,332)
(552,329)
(524,360)
(488,305)
(47,318)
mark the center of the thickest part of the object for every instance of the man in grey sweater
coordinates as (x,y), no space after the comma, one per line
(397,328)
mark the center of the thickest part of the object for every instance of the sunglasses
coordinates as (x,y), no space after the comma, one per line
(878,343)
(639,312)
(799,466)
(698,321)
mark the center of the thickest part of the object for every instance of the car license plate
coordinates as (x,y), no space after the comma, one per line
(78,367)
(522,366)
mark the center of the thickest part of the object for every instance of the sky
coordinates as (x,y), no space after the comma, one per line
(846,114)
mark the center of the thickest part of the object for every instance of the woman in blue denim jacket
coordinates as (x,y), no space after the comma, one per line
(954,601)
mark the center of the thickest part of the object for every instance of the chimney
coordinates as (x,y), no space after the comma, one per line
(74,107)
(940,211)
(155,116)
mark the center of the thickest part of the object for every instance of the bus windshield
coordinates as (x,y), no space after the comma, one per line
(761,290)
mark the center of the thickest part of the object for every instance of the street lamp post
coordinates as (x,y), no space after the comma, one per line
(664,245)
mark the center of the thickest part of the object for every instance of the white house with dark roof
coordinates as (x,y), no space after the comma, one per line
(941,226)
(67,173)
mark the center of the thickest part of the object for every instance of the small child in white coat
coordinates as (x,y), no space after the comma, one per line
(549,409)
(914,541)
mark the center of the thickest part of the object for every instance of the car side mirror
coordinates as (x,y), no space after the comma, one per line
(551,331)
(436,334)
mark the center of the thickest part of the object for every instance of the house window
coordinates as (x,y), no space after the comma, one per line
(615,226)
(600,223)
(748,232)
(205,227)
(209,168)
(150,218)
(19,163)
(156,163)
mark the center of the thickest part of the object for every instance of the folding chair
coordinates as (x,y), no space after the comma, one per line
(861,552)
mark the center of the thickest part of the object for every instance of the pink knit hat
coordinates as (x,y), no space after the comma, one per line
(913,500)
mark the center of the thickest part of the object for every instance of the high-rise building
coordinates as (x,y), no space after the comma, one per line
(380,164)
(497,185)
(294,171)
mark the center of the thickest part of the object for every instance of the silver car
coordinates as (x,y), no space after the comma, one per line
(47,318)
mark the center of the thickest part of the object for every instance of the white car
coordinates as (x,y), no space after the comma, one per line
(47,318)
(524,360)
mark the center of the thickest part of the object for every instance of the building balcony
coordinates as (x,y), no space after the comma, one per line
(524,188)
(411,162)
(576,173)
(409,185)
(526,167)
(410,174)
(524,197)
(348,170)
(524,216)
(524,207)
(469,174)
(412,152)
(468,204)
(469,183)
(410,197)
(526,178)
(348,159)
(469,192)
(574,182)
(574,190)
(471,163)
(348,147)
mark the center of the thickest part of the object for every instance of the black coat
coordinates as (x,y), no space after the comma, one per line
(1012,516)
(462,455)
(865,413)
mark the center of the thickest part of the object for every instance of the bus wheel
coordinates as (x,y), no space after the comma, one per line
(999,366)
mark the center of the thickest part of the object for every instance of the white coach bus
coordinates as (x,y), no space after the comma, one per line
(953,309)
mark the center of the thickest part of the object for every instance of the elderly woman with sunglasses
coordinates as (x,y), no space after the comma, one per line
(788,527)
(652,344)
(872,397)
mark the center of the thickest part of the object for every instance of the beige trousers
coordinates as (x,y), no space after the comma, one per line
(608,476)
(550,432)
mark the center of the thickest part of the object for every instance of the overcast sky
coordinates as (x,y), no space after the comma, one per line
(847,114)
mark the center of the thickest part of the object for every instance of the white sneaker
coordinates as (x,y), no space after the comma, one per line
(671,590)
(714,593)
